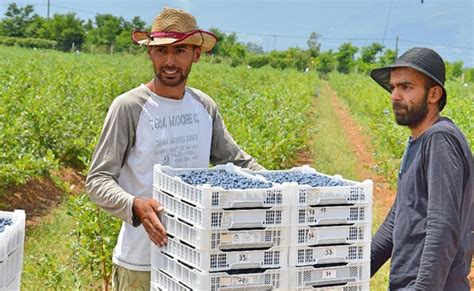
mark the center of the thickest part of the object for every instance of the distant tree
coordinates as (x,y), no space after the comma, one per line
(454,70)
(388,57)
(368,53)
(138,23)
(326,62)
(254,48)
(345,57)
(313,45)
(16,20)
(65,29)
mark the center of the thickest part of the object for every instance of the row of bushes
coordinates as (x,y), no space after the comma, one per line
(28,42)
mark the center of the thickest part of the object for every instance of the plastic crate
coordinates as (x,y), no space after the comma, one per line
(245,279)
(306,195)
(320,277)
(355,286)
(161,281)
(331,215)
(224,240)
(222,219)
(11,250)
(325,235)
(206,196)
(222,261)
(329,255)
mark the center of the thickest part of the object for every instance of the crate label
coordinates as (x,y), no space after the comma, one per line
(241,238)
(328,252)
(329,274)
(244,280)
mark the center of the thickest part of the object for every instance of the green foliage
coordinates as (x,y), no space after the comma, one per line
(345,57)
(28,42)
(95,235)
(326,62)
(454,70)
(54,105)
(65,29)
(16,20)
(371,105)
(388,57)
(314,46)
(368,54)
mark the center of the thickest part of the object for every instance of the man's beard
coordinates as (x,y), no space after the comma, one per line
(414,115)
(182,76)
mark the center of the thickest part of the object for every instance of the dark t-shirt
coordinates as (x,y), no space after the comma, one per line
(427,231)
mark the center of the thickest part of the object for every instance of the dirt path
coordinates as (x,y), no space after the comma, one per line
(361,146)
(39,196)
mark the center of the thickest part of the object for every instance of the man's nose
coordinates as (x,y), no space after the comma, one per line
(170,60)
(395,95)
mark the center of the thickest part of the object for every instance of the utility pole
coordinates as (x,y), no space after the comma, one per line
(48,8)
(396,47)
(274,41)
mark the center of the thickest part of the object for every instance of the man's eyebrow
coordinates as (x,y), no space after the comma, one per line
(400,83)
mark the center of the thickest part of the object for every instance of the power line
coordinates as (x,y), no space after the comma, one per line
(438,45)
(386,22)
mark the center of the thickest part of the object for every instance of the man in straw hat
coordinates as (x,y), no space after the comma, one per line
(427,231)
(160,122)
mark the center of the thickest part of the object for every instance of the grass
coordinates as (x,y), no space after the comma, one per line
(47,262)
(331,150)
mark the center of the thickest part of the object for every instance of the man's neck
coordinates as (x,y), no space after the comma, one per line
(424,125)
(174,92)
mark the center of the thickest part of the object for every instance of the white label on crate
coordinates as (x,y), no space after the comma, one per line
(329,252)
(328,274)
(241,238)
(226,238)
(246,238)
(244,280)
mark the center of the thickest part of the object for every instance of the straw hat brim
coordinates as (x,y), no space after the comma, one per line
(201,38)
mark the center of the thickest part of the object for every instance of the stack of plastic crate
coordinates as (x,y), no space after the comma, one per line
(330,233)
(220,239)
(292,235)
(12,238)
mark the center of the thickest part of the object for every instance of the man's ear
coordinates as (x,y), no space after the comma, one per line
(434,94)
(196,54)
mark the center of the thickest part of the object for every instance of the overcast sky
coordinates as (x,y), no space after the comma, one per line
(444,25)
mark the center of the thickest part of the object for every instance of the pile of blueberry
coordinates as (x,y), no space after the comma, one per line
(222,178)
(4,222)
(313,180)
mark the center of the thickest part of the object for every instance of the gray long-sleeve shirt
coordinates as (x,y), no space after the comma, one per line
(427,231)
(142,129)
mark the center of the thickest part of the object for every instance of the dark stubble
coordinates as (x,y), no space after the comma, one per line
(414,115)
(183,75)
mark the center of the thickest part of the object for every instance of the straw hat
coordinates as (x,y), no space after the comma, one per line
(175,26)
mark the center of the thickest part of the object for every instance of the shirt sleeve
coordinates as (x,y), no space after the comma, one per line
(382,242)
(224,149)
(113,146)
(445,175)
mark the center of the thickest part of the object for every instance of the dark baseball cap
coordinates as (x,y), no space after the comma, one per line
(424,60)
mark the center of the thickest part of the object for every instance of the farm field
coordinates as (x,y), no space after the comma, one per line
(52,106)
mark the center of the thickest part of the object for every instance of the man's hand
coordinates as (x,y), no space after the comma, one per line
(147,210)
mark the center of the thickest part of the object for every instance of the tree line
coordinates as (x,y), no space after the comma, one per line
(107,33)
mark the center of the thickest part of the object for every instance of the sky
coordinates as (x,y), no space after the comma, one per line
(446,26)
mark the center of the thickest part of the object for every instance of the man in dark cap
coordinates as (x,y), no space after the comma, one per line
(427,232)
